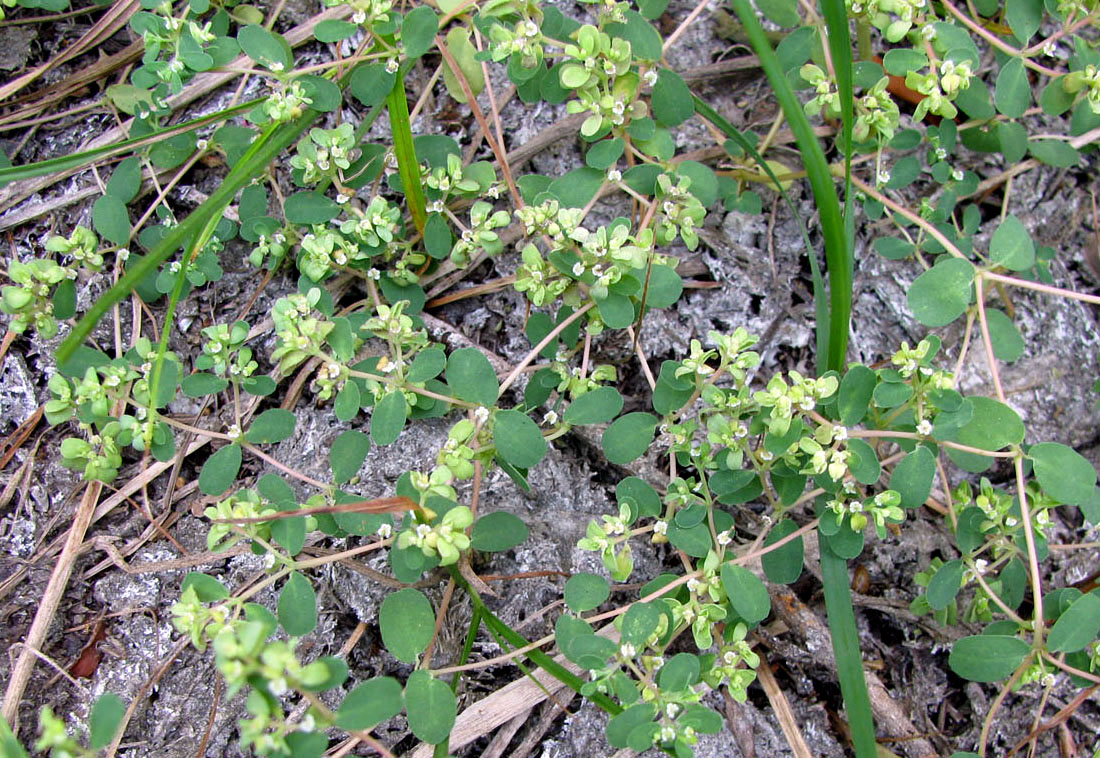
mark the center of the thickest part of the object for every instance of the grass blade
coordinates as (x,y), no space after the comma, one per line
(407,165)
(262,152)
(849,662)
(832,336)
(76,160)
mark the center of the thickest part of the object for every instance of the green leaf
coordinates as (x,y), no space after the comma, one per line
(465,55)
(596,406)
(517,439)
(617,311)
(941,294)
(125,182)
(634,718)
(407,622)
(347,454)
(173,151)
(992,426)
(672,103)
(495,532)
(428,364)
(333,30)
(110,219)
(105,719)
(262,385)
(438,239)
(220,470)
(1013,93)
(747,594)
(370,703)
(1008,344)
(418,31)
(912,477)
(854,395)
(207,588)
(1077,627)
(646,501)
(645,41)
(987,657)
(201,384)
(893,248)
(704,184)
(680,672)
(1063,473)
(290,532)
(945,584)
(325,95)
(471,377)
(346,405)
(1054,152)
(576,188)
(310,208)
(297,607)
(1011,246)
(864,464)
(388,418)
(583,592)
(781,12)
(64,300)
(265,48)
(431,706)
(1023,17)
(274,425)
(665,287)
(372,84)
(605,153)
(639,621)
(900,61)
(783,565)
(628,437)
(652,9)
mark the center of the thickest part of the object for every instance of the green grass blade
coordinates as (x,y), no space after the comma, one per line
(849,662)
(87,157)
(840,49)
(260,154)
(407,165)
(832,336)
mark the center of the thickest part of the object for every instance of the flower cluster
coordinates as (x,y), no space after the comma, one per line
(325,154)
(447,538)
(598,71)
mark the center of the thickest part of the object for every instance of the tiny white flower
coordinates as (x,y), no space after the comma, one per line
(614,175)
(883,176)
(627,650)
(385,531)
(392,65)
(578,268)
(123,254)
(481,415)
(234,432)
(650,77)
(924,428)
(550,418)
(276,66)
(957,175)
(661,527)
(724,538)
